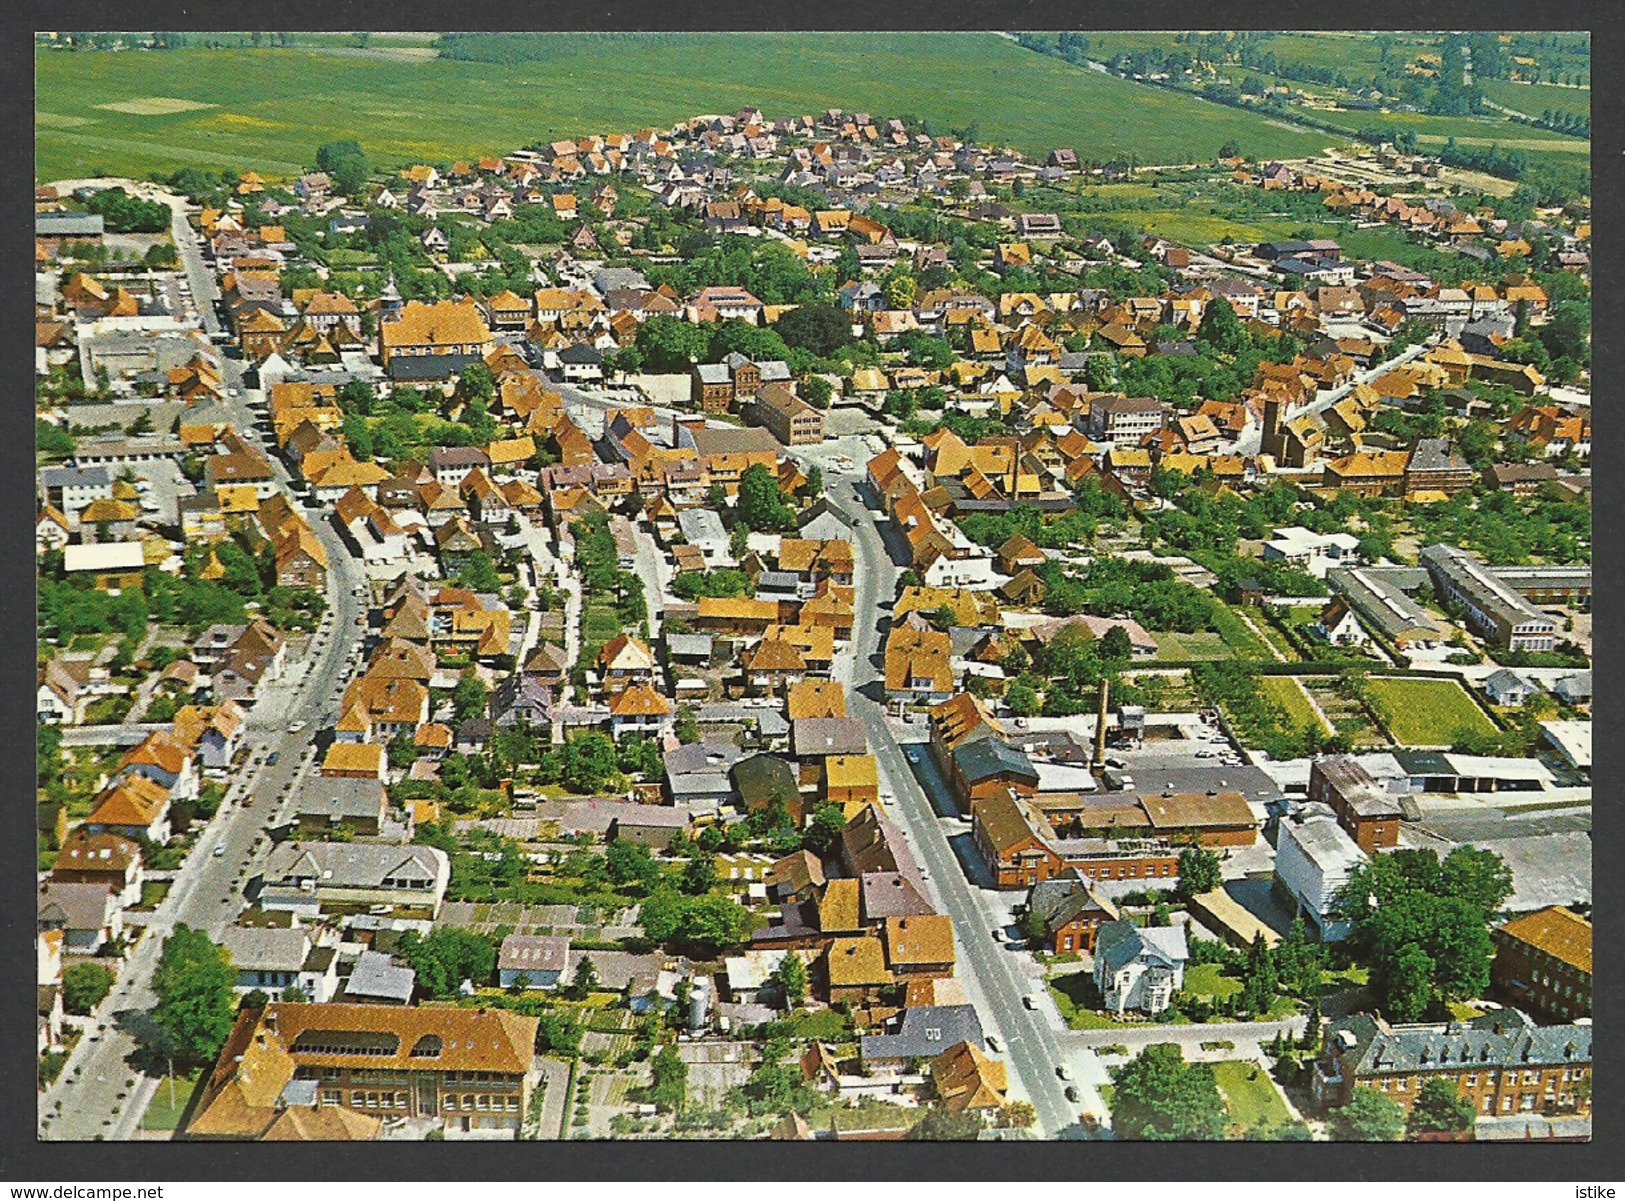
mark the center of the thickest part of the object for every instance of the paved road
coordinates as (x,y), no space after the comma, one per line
(985,968)
(86,1101)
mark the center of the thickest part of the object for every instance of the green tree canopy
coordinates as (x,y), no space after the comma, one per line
(1198,871)
(84,986)
(1439,1107)
(195,985)
(1369,1117)
(1157,1095)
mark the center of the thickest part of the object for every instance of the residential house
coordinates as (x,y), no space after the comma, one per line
(1139,968)
(527,961)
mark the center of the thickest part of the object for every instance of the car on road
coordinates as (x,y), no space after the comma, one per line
(296,727)
(913,755)
(271,759)
(219,850)
(1072,1093)
(992,1041)
(1064,1072)
(1030,1001)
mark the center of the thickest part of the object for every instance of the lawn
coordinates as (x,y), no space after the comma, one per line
(1206,980)
(825,1025)
(1190,648)
(270,108)
(1077,998)
(1426,712)
(152,893)
(1250,1095)
(1286,692)
(169,1102)
(599,623)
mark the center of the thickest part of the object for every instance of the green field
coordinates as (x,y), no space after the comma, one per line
(1286,692)
(1250,1095)
(1426,712)
(1536,98)
(271,107)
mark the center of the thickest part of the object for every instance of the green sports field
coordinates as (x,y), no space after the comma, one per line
(1422,712)
(269,108)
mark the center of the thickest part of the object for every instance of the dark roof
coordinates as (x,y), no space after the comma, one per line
(988,757)
(763,779)
(926,1030)
(428,366)
(1505,1038)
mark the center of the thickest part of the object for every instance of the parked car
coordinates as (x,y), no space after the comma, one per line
(1072,1093)
(1064,1072)
(992,1041)
(1030,1001)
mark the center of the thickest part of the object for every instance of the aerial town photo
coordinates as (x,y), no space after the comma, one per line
(709,586)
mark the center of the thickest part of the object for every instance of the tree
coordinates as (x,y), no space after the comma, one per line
(447,957)
(819,329)
(670,345)
(468,699)
(761,504)
(823,832)
(1222,329)
(589,763)
(256,998)
(1021,698)
(1230,149)
(699,875)
(686,726)
(1116,644)
(942,1124)
(629,862)
(84,985)
(791,977)
(1440,1108)
(345,163)
(1481,878)
(1198,871)
(817,391)
(1369,1117)
(1157,1095)
(1017,1115)
(668,1088)
(585,979)
(1100,372)
(195,985)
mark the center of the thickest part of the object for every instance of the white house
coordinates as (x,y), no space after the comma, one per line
(1313,858)
(274,959)
(1338,625)
(1505,687)
(1139,968)
(541,961)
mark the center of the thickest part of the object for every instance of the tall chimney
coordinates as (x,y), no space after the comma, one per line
(1100,724)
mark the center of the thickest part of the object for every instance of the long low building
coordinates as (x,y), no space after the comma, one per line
(336,1071)
(1380,597)
(311,877)
(1496,608)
